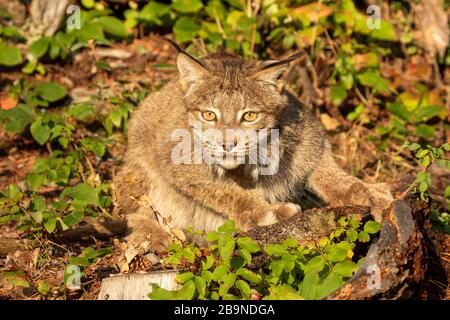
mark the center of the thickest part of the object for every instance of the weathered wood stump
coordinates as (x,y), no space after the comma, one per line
(136,286)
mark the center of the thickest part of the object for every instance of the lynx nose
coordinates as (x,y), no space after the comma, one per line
(228,146)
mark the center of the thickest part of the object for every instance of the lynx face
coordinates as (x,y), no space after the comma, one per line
(233,106)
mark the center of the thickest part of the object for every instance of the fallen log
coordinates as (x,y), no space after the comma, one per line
(90,230)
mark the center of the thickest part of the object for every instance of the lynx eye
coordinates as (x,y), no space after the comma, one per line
(209,115)
(250,116)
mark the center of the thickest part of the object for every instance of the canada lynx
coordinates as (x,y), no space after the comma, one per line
(222,92)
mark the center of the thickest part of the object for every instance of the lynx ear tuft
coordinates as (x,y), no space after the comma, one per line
(192,71)
(271,71)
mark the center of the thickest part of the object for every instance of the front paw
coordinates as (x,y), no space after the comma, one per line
(149,238)
(377,196)
(268,215)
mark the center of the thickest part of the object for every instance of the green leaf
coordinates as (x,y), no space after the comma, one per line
(427,112)
(372,227)
(185,29)
(386,32)
(50,224)
(399,110)
(80,111)
(10,56)
(51,91)
(183,277)
(336,254)
(16,278)
(208,263)
(113,26)
(82,194)
(352,235)
(308,286)
(227,283)
(13,192)
(425,131)
(244,288)
(187,6)
(248,244)
(247,256)
(40,132)
(39,47)
(345,268)
(283,292)
(226,248)
(207,276)
(228,227)
(317,263)
(43,287)
(363,236)
(249,275)
(331,283)
(338,94)
(373,79)
(200,284)
(220,272)
(275,250)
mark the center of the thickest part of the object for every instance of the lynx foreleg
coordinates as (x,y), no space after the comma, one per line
(338,188)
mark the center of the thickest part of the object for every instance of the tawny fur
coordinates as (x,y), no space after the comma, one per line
(195,195)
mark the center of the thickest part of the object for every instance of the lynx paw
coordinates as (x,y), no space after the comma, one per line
(149,238)
(377,196)
(265,216)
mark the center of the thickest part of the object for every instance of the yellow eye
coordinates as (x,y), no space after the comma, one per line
(209,115)
(250,116)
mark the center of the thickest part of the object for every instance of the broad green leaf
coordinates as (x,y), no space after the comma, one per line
(345,268)
(227,283)
(51,91)
(82,194)
(317,263)
(185,276)
(372,227)
(386,32)
(373,79)
(113,26)
(10,56)
(399,110)
(200,284)
(425,131)
(248,244)
(16,278)
(220,272)
(40,132)
(187,6)
(39,47)
(50,224)
(228,227)
(336,254)
(275,250)
(185,29)
(283,292)
(338,94)
(244,288)
(328,285)
(308,286)
(363,236)
(249,275)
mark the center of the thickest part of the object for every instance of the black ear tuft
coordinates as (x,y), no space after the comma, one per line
(181,50)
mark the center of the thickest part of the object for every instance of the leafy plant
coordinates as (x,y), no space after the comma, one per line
(225,270)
